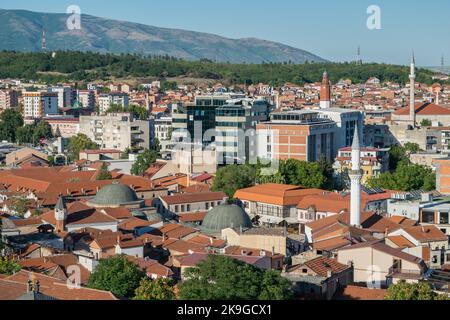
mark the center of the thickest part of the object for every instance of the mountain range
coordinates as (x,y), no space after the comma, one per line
(22,30)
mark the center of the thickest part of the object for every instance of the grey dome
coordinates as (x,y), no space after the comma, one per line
(226,216)
(115,194)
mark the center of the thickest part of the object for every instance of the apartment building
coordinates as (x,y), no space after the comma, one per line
(117,131)
(105,101)
(373,163)
(65,96)
(37,105)
(163,128)
(9,99)
(86,99)
(300,135)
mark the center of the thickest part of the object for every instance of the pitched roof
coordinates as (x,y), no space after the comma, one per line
(379,246)
(277,194)
(322,265)
(79,214)
(424,109)
(361,293)
(13,287)
(426,233)
(401,242)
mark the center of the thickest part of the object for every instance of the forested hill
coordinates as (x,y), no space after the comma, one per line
(85,66)
(21,30)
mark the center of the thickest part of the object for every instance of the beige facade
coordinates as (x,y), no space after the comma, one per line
(116,131)
(272,243)
(374,264)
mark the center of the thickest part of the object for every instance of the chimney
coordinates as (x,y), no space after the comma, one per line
(37,287)
(273,251)
(29,286)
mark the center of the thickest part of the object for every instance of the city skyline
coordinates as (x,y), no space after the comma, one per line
(330,30)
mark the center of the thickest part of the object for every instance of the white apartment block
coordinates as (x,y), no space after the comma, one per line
(37,105)
(105,101)
(117,131)
(163,127)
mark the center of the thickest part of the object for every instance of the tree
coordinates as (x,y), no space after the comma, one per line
(8,267)
(224,278)
(231,178)
(117,275)
(426,123)
(103,173)
(159,289)
(407,177)
(79,143)
(43,130)
(10,120)
(126,154)
(156,146)
(25,134)
(143,162)
(275,287)
(413,291)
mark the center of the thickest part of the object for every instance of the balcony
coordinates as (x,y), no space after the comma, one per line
(398,273)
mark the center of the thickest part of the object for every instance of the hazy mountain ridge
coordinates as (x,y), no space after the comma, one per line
(21,30)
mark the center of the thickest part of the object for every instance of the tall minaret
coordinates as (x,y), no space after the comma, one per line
(325,92)
(412,89)
(355,177)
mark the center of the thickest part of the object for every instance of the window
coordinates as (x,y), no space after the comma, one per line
(207,205)
(177,208)
(304,270)
(188,207)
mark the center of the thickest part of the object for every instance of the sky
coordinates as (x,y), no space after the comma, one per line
(332,29)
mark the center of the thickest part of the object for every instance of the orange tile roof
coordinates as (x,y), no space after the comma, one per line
(361,293)
(322,265)
(193,217)
(13,287)
(276,194)
(426,234)
(424,109)
(401,242)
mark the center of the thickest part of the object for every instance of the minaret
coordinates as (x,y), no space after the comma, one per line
(325,92)
(60,215)
(412,89)
(355,177)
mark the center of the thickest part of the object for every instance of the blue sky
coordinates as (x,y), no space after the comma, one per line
(329,28)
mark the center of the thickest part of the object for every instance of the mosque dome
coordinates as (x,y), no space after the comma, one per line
(115,194)
(226,216)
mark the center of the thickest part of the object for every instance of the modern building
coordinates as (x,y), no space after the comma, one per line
(301,135)
(9,99)
(65,96)
(37,105)
(235,134)
(117,131)
(107,100)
